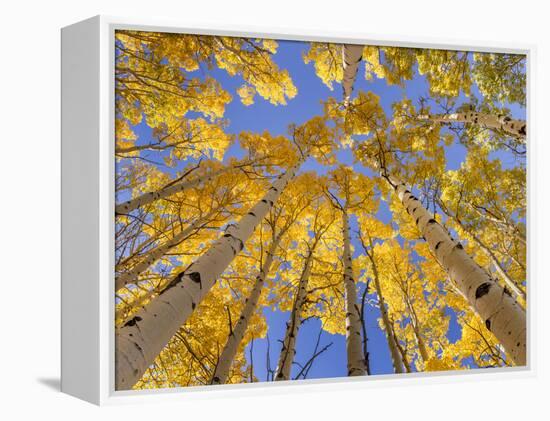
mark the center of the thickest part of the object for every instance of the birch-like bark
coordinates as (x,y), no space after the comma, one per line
(237,333)
(288,351)
(356,359)
(390,337)
(150,197)
(416,329)
(502,314)
(151,257)
(351,57)
(514,128)
(395,355)
(510,283)
(142,338)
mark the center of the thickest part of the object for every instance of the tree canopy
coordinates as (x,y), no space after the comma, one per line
(269,228)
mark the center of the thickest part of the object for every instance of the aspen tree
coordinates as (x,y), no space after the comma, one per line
(351,57)
(288,350)
(390,337)
(179,186)
(349,186)
(514,128)
(141,339)
(285,214)
(152,256)
(237,332)
(502,314)
(319,225)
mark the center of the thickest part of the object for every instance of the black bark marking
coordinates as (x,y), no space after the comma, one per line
(133,321)
(252,213)
(507,291)
(488,324)
(431,221)
(216,379)
(140,349)
(438,244)
(177,279)
(483,289)
(193,305)
(523,130)
(241,244)
(196,277)
(459,246)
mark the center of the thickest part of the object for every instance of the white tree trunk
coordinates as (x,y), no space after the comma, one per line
(237,333)
(150,197)
(390,337)
(151,257)
(510,283)
(514,128)
(351,57)
(142,338)
(356,359)
(395,355)
(288,351)
(416,328)
(502,314)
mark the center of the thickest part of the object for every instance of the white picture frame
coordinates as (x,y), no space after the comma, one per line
(88,212)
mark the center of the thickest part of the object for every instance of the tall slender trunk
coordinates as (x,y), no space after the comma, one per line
(502,314)
(151,257)
(288,351)
(402,351)
(514,128)
(416,329)
(351,55)
(356,359)
(237,333)
(176,187)
(142,338)
(395,355)
(390,337)
(150,197)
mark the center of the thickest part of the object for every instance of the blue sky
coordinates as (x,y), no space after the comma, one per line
(262,116)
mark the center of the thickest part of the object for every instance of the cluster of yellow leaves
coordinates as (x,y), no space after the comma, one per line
(396,65)
(252,60)
(448,72)
(500,77)
(327,62)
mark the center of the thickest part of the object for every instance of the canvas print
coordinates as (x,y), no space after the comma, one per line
(290,210)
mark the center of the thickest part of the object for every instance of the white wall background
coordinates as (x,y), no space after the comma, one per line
(29,205)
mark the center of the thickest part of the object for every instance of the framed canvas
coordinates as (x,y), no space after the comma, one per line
(254,210)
